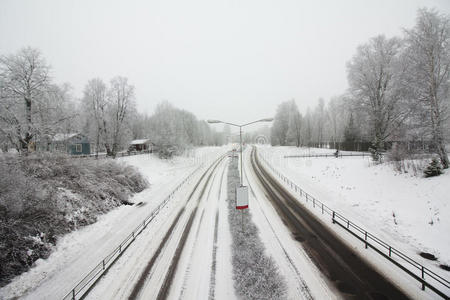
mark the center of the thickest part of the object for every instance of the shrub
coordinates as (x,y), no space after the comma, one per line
(44,196)
(398,152)
(167,151)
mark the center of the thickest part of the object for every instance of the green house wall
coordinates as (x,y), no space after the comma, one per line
(86,149)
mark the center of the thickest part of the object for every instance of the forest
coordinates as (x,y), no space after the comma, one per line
(398,96)
(34,109)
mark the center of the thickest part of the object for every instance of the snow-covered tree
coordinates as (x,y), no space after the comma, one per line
(293,134)
(336,116)
(281,124)
(95,103)
(320,119)
(308,127)
(24,81)
(373,75)
(428,59)
(121,102)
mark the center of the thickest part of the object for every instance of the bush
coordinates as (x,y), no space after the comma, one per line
(398,152)
(166,152)
(376,155)
(433,169)
(45,196)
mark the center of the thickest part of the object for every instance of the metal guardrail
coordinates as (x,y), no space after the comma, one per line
(89,280)
(360,154)
(425,276)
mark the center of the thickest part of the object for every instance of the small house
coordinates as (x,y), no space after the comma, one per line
(72,143)
(140,145)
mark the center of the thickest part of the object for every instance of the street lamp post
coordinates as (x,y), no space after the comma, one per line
(240,135)
(242,192)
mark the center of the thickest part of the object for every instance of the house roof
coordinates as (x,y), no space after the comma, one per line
(139,142)
(63,136)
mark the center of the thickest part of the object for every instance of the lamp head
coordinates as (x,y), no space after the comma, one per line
(267,120)
(214,121)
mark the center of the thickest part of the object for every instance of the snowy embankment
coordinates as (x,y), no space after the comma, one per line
(77,252)
(408,211)
(43,197)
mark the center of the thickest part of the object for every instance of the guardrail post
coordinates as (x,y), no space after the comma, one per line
(314,202)
(348,224)
(103,262)
(423,277)
(120,248)
(322,208)
(332,218)
(390,250)
(73,294)
(365,238)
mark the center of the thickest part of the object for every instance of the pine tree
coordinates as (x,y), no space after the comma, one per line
(433,169)
(351,132)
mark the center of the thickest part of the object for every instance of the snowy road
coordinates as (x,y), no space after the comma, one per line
(184,254)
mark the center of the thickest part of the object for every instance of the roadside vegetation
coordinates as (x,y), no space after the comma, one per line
(397,97)
(255,274)
(45,196)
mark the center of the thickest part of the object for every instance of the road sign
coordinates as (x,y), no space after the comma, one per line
(242,197)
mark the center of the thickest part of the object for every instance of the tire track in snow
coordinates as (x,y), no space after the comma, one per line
(165,288)
(188,269)
(212,283)
(147,271)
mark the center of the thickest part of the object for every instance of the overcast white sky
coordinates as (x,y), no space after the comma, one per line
(232,60)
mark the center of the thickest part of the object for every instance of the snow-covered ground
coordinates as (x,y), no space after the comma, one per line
(76,253)
(370,195)
(409,212)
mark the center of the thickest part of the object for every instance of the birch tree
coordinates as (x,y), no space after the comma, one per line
(320,121)
(24,79)
(295,125)
(95,101)
(308,127)
(373,74)
(335,116)
(121,98)
(428,57)
(281,124)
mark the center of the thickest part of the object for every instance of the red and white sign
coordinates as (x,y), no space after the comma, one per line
(242,197)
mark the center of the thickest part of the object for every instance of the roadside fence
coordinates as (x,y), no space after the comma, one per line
(425,276)
(118,154)
(359,154)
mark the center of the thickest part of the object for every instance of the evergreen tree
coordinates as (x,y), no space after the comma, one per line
(351,132)
(433,169)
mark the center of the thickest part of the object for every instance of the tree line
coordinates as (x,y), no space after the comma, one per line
(399,90)
(33,109)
